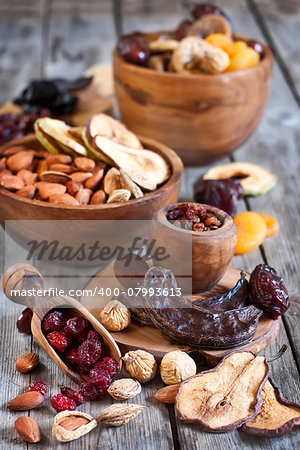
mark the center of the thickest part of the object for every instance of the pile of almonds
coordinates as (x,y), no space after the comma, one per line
(61,179)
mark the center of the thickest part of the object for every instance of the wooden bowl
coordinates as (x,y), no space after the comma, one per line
(206,256)
(203,117)
(14,207)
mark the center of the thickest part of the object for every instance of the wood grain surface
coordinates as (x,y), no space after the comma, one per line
(50,37)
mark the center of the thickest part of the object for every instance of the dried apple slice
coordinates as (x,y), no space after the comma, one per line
(60,131)
(223,398)
(277,415)
(104,125)
(47,142)
(144,167)
(94,153)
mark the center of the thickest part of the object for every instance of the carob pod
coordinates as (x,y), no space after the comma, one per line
(236,298)
(224,398)
(195,326)
(277,415)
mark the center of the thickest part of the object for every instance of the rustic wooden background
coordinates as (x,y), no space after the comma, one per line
(63,38)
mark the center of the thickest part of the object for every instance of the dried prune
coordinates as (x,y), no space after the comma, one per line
(134,48)
(207,8)
(256,46)
(182,30)
(222,194)
(268,292)
(24,321)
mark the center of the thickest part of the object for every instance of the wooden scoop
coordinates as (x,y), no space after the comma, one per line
(24,277)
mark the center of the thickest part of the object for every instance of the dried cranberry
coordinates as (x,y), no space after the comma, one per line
(222,194)
(24,321)
(74,395)
(267,291)
(38,386)
(58,340)
(89,352)
(62,403)
(134,48)
(207,8)
(182,30)
(109,364)
(89,391)
(101,379)
(257,47)
(55,321)
(93,336)
(72,356)
(75,327)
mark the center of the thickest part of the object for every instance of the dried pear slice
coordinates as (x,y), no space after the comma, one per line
(47,142)
(277,415)
(223,398)
(104,125)
(59,131)
(144,167)
(255,179)
(127,183)
(208,24)
(93,152)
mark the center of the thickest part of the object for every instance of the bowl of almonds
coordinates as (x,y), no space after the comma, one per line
(200,88)
(101,171)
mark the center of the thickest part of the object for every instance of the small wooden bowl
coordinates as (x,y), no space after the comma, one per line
(205,255)
(203,117)
(14,207)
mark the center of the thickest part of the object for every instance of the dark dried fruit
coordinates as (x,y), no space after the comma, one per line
(13,126)
(93,336)
(222,194)
(55,321)
(72,394)
(89,391)
(24,321)
(134,48)
(182,30)
(268,292)
(257,47)
(89,353)
(207,8)
(72,356)
(38,386)
(194,217)
(75,327)
(101,379)
(58,340)
(62,403)
(108,364)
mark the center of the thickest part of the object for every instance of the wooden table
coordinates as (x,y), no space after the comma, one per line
(60,37)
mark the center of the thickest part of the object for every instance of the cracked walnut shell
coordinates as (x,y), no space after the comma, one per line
(176,367)
(140,365)
(115,316)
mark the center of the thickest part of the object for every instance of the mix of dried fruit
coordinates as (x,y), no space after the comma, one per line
(82,174)
(193,217)
(204,44)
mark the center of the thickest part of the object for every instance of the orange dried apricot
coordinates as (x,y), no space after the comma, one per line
(272,224)
(220,40)
(252,230)
(236,47)
(243,59)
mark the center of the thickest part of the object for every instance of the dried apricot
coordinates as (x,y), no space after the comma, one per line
(220,40)
(236,47)
(272,224)
(252,230)
(243,59)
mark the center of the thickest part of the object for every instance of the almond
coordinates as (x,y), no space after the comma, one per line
(85,164)
(81,177)
(119,414)
(27,176)
(28,429)
(167,394)
(63,199)
(83,196)
(73,187)
(11,182)
(2,163)
(13,150)
(94,181)
(27,192)
(72,423)
(26,401)
(46,190)
(57,167)
(98,198)
(42,166)
(27,362)
(112,181)
(127,183)
(59,159)
(20,160)
(53,176)
(119,195)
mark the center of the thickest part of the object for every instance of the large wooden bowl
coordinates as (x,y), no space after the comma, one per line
(14,207)
(203,117)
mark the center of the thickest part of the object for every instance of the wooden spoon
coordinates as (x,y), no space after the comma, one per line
(24,277)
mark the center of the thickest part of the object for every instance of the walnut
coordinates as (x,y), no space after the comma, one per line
(115,316)
(140,365)
(176,367)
